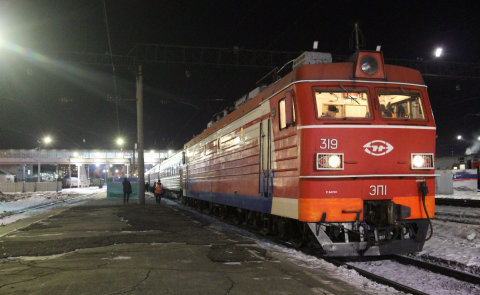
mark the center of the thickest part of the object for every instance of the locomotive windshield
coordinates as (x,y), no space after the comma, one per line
(342,104)
(401,105)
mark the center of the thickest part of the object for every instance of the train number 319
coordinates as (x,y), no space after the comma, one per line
(329,144)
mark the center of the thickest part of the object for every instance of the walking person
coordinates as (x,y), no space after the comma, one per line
(127,190)
(158,191)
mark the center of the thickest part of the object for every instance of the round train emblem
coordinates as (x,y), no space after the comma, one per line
(378,147)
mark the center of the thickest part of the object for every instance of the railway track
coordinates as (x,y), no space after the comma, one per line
(435,269)
(447,271)
(458,202)
(458,218)
(376,278)
(71,200)
(409,261)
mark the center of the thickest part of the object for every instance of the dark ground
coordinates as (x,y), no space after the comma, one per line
(104,247)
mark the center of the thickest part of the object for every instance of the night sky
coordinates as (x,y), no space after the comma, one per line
(40,94)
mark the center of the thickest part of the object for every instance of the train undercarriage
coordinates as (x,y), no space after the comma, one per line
(378,234)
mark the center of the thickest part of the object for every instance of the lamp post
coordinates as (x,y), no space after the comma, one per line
(141,162)
(120,142)
(45,141)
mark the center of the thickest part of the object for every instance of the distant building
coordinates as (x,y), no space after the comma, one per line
(461,162)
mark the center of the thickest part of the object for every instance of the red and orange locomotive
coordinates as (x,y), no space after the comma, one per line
(336,153)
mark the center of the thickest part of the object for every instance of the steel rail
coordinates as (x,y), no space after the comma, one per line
(458,202)
(449,272)
(376,278)
(40,206)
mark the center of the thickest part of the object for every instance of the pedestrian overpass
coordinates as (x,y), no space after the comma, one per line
(20,162)
(79,157)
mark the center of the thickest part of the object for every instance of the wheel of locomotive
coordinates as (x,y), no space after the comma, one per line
(249,218)
(223,212)
(298,235)
(274,225)
(205,207)
(266,224)
(209,208)
(258,221)
(239,216)
(282,227)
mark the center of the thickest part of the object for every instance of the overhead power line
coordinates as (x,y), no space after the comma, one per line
(115,89)
(250,58)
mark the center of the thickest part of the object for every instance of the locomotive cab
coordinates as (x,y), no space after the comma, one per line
(367,141)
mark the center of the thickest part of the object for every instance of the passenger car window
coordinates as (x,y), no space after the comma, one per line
(333,104)
(401,105)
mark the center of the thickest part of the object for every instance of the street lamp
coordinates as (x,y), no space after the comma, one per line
(438,52)
(120,141)
(44,141)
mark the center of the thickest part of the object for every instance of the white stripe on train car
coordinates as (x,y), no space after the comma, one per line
(365,127)
(369,175)
(285,207)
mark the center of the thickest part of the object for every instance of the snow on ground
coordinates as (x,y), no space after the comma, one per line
(13,203)
(309,262)
(454,243)
(425,281)
(460,196)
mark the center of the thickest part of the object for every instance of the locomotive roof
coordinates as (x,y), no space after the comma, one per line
(311,72)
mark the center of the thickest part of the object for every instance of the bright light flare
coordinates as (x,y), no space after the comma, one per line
(459,137)
(120,141)
(47,140)
(334,161)
(438,52)
(418,161)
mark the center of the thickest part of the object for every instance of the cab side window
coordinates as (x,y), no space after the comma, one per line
(286,110)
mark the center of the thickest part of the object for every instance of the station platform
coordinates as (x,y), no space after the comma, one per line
(106,247)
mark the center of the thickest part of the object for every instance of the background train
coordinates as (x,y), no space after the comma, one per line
(169,173)
(336,155)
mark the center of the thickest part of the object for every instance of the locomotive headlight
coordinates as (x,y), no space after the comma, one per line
(334,161)
(421,161)
(369,64)
(418,161)
(329,161)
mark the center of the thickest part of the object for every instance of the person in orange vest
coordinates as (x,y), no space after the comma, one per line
(158,191)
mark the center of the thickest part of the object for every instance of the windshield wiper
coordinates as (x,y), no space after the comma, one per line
(348,94)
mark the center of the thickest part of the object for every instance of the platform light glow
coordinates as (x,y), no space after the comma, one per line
(438,52)
(47,140)
(459,137)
